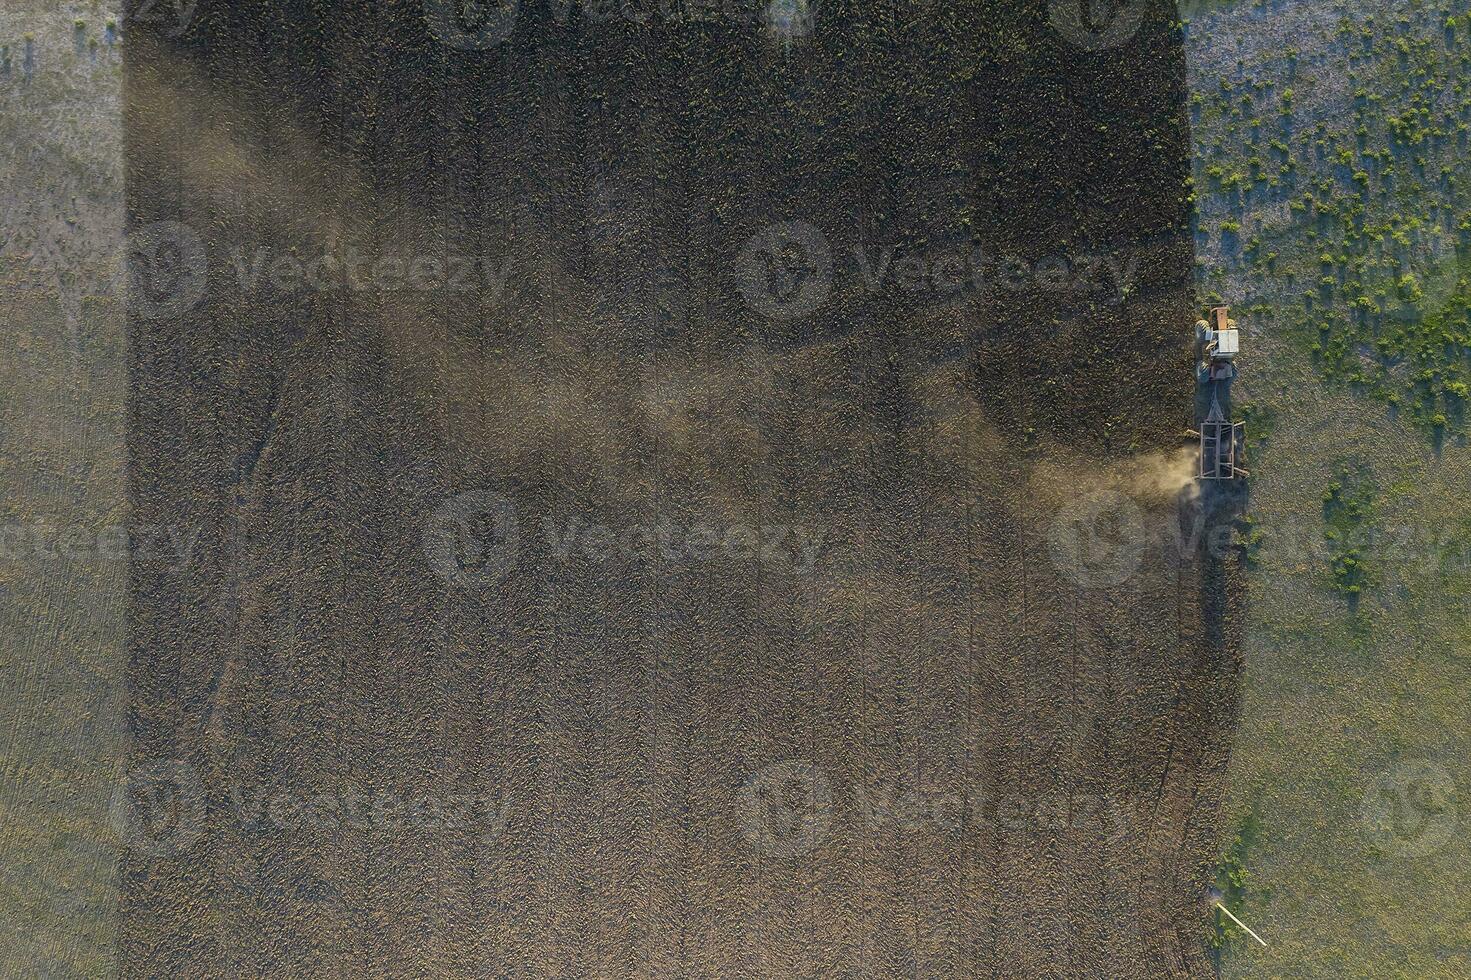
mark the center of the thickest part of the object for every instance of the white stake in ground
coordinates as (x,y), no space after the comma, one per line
(1241,924)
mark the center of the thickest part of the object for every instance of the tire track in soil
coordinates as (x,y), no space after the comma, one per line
(998,601)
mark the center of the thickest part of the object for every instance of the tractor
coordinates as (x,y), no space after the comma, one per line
(1222,442)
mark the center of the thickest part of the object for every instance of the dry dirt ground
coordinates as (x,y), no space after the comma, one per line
(664,497)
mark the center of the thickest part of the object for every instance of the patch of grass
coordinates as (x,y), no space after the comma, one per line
(1348,516)
(1369,294)
(1232,878)
(1261,422)
(1247,538)
(1357,218)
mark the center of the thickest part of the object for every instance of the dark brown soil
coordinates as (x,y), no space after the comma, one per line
(939,743)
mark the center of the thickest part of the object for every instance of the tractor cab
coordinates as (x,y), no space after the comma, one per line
(1219,342)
